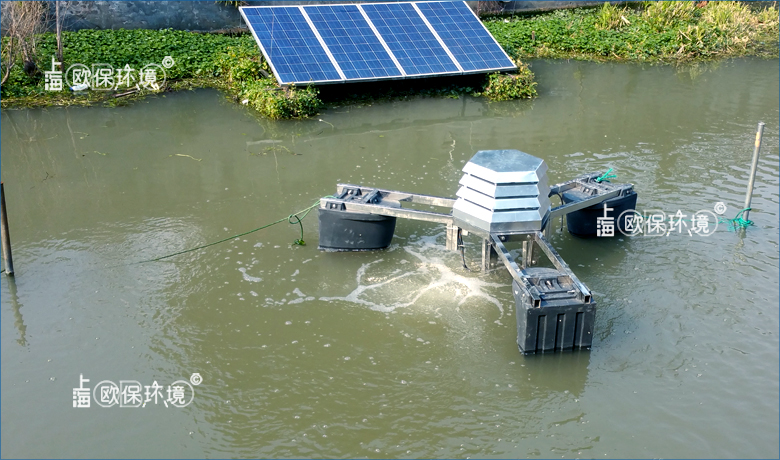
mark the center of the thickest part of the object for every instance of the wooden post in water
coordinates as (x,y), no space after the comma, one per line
(753,167)
(6,236)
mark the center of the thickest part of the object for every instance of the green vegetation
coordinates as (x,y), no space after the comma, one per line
(231,63)
(503,87)
(245,75)
(234,4)
(650,31)
(196,62)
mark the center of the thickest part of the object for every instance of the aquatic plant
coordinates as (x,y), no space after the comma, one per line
(503,87)
(281,103)
(239,64)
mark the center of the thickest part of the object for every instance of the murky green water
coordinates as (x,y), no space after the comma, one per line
(397,353)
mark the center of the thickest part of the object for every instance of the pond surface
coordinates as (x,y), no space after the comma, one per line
(395,353)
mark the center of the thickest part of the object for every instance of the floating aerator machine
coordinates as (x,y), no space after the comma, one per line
(503,196)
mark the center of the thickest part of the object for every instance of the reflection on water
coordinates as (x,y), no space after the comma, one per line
(402,352)
(13,298)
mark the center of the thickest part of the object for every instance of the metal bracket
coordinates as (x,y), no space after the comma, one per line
(584,294)
(558,262)
(388,203)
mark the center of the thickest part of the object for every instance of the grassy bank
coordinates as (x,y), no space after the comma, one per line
(651,31)
(231,63)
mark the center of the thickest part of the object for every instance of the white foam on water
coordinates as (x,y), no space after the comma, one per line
(251,279)
(430,276)
(301,297)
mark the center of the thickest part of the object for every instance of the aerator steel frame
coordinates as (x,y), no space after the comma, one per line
(503,197)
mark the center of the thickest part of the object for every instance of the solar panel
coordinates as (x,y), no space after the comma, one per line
(465,36)
(372,41)
(410,39)
(290,45)
(352,42)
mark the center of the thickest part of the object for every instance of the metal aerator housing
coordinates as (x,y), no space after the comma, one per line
(503,191)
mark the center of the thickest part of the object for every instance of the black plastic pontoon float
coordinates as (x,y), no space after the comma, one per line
(503,197)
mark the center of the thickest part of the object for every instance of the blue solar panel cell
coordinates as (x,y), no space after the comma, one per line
(352,42)
(409,39)
(291,47)
(466,38)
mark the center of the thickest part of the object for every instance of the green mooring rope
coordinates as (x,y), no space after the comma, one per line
(738,221)
(298,216)
(735,223)
(605,176)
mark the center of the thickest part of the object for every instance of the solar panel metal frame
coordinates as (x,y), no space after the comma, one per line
(404,74)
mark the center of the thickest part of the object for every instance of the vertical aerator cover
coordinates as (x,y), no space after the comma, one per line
(503,191)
